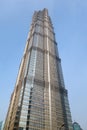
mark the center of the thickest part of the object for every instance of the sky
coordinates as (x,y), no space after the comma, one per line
(69,18)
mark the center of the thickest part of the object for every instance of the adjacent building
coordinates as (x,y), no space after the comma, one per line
(39,100)
(76,126)
(1,125)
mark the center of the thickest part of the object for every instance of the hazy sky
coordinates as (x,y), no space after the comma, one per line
(69,18)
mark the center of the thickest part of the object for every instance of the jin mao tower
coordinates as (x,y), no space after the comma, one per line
(39,100)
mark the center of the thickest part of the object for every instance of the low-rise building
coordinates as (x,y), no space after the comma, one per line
(76,126)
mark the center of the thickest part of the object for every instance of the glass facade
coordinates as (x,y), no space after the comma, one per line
(39,100)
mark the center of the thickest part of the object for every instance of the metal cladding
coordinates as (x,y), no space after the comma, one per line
(39,100)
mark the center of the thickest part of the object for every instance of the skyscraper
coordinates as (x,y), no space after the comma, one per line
(39,100)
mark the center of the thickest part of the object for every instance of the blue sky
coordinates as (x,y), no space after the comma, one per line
(70,24)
